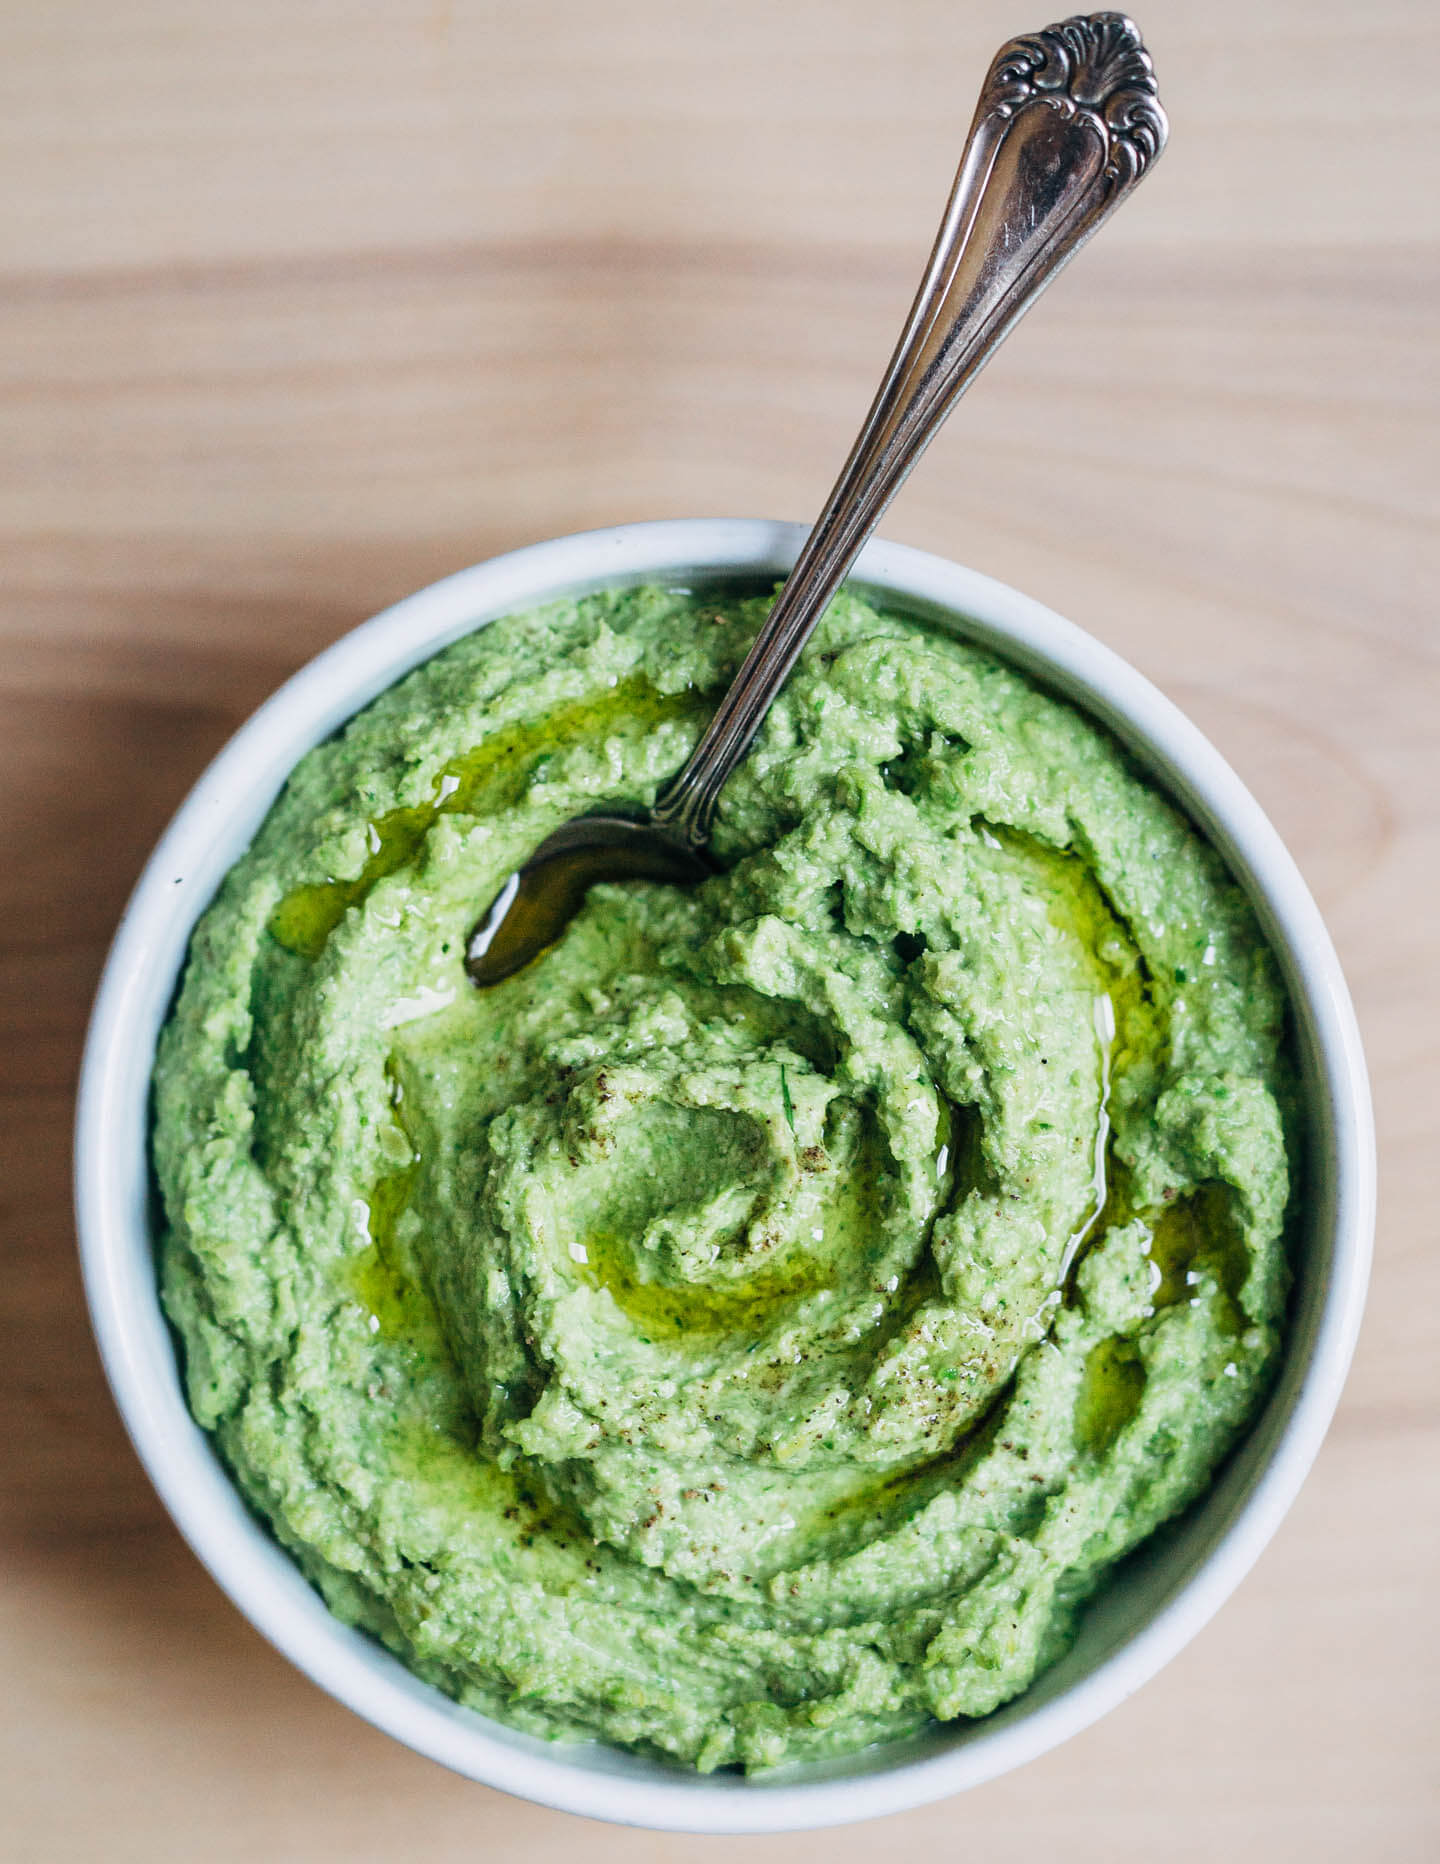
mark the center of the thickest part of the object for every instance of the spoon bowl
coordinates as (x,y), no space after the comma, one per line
(536,904)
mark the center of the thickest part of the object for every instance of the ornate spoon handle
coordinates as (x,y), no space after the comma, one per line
(1067,123)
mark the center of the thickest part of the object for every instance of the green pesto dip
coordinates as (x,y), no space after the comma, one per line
(756,1327)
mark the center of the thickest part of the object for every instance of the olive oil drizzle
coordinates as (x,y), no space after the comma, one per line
(384,1282)
(672,1311)
(385,1277)
(493,776)
(1078,907)
(1111,1388)
(1192,1238)
(1195,1239)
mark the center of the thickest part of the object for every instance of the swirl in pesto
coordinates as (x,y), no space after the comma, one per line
(757,1326)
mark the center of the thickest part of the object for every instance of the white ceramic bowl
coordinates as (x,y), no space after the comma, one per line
(1156,1602)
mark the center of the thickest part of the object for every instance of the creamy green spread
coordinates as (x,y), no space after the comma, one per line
(757,1326)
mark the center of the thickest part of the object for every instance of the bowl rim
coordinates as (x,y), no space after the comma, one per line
(217,820)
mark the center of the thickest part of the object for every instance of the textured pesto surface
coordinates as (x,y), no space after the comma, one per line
(756,1327)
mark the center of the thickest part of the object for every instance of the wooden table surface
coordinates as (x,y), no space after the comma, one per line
(304,303)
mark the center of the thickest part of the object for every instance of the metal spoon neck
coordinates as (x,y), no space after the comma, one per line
(1068,122)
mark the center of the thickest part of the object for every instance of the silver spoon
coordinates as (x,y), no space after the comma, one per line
(1067,123)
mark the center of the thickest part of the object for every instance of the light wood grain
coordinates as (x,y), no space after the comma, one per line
(303,306)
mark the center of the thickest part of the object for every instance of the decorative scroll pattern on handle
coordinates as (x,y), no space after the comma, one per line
(1097,65)
(1068,121)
